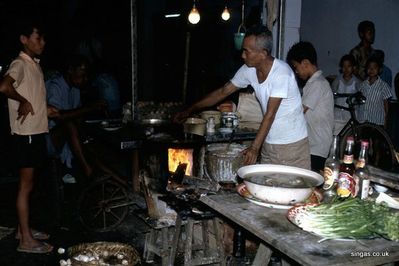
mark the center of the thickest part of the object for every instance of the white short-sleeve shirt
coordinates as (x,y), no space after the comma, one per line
(318,97)
(289,123)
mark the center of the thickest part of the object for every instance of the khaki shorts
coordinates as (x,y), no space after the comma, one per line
(293,154)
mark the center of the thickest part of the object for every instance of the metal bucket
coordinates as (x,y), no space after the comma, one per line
(222,161)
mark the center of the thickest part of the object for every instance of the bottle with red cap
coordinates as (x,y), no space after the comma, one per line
(361,175)
(346,183)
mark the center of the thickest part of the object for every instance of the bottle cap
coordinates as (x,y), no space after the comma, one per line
(364,143)
(350,139)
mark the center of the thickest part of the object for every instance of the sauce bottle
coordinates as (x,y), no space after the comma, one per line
(331,171)
(346,183)
(361,175)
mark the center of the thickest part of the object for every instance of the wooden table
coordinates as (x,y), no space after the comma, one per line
(276,232)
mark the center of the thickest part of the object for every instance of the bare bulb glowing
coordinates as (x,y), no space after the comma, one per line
(194,16)
(226,14)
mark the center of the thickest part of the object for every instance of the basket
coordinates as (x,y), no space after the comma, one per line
(106,252)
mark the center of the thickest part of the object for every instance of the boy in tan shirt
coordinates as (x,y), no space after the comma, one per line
(24,87)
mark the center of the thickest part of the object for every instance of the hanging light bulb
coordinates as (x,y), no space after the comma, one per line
(194,16)
(225,14)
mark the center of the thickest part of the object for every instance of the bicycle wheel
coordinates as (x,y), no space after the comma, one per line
(381,152)
(103,205)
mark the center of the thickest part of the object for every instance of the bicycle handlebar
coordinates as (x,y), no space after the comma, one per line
(352,99)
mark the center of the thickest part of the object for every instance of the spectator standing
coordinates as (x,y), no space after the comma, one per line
(345,83)
(364,49)
(24,87)
(317,101)
(377,93)
(386,72)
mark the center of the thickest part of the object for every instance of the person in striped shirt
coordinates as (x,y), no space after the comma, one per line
(377,93)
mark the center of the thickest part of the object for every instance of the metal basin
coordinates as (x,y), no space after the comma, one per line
(279,184)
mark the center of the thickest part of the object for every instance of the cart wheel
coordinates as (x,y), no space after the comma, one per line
(103,205)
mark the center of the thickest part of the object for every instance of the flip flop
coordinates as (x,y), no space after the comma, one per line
(37,235)
(41,249)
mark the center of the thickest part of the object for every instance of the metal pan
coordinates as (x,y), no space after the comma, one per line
(153,122)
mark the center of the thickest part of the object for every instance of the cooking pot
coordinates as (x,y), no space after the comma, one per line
(215,114)
(222,161)
(279,184)
(196,126)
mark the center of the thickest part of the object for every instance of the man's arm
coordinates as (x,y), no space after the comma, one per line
(209,100)
(251,153)
(82,111)
(7,88)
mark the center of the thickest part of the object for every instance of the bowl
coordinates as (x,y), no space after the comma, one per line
(196,126)
(279,184)
(380,188)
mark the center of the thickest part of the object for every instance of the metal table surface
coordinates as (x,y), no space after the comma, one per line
(276,231)
(132,135)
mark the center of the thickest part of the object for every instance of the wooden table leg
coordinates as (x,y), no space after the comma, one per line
(135,170)
(263,255)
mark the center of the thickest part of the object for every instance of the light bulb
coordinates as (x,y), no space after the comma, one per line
(194,16)
(226,14)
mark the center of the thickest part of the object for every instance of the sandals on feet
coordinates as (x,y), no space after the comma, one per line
(40,249)
(36,235)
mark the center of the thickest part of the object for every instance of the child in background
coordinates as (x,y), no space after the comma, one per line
(364,49)
(346,82)
(377,93)
(23,85)
(386,72)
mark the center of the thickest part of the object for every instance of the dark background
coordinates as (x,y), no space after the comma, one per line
(161,42)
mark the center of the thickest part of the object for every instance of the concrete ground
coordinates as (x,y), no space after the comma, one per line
(61,220)
(65,233)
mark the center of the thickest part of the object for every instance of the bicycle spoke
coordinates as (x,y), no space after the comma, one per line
(115,216)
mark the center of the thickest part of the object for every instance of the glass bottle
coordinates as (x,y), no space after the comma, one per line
(210,126)
(361,176)
(331,171)
(346,184)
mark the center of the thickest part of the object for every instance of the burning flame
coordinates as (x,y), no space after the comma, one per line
(179,156)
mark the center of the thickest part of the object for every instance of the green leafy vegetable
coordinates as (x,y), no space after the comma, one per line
(350,218)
